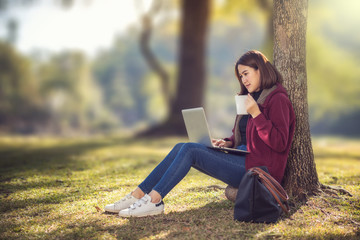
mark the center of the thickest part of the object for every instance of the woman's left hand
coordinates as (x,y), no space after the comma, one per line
(252,107)
(222,143)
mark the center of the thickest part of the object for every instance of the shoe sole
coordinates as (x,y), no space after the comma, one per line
(112,211)
(143,215)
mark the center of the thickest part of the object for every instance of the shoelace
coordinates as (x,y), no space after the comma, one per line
(123,199)
(139,203)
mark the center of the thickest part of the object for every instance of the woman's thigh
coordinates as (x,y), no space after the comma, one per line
(229,168)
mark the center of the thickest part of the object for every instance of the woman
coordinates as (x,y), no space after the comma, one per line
(266,132)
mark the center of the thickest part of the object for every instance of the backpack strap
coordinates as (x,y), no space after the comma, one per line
(274,188)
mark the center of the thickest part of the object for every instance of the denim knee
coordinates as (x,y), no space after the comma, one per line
(191,145)
(191,150)
(179,145)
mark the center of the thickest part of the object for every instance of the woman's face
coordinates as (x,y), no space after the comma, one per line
(250,78)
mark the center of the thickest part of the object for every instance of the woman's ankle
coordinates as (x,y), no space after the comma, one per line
(155,196)
(138,193)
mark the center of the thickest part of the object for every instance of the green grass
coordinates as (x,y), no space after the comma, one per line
(56,188)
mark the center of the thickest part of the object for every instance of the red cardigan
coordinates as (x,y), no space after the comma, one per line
(270,134)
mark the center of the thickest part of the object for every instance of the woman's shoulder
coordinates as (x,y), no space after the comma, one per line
(277,94)
(280,100)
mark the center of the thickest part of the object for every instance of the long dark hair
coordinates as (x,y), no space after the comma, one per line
(269,75)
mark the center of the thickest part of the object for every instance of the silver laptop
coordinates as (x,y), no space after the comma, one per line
(198,130)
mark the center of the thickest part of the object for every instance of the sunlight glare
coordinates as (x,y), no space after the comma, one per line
(87,28)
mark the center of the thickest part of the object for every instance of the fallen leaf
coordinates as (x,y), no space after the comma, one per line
(186,229)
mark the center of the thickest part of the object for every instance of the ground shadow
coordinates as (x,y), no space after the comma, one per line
(214,220)
(17,159)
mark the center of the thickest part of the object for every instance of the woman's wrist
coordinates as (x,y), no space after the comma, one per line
(228,142)
(257,113)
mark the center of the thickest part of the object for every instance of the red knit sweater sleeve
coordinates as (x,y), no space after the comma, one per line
(273,130)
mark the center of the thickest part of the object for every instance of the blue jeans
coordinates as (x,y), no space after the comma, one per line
(229,168)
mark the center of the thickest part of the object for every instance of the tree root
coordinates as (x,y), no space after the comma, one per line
(330,190)
(231,192)
(216,187)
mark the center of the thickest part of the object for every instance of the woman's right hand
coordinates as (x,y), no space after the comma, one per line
(222,143)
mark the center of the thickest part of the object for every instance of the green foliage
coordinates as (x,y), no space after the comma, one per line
(56,96)
(69,94)
(332,63)
(336,21)
(333,79)
(119,72)
(50,188)
(18,90)
(14,76)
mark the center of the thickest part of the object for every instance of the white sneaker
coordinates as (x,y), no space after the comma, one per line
(121,204)
(142,208)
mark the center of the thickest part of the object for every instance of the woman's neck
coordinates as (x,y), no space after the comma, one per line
(256,95)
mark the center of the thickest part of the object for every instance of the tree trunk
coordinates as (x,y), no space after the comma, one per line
(290,19)
(149,56)
(191,79)
(191,76)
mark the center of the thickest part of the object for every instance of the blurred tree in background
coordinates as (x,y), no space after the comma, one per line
(120,73)
(73,99)
(20,104)
(191,80)
(68,91)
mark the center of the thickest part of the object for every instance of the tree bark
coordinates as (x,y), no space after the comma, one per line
(290,20)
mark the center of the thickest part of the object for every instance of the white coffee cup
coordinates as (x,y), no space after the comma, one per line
(240,104)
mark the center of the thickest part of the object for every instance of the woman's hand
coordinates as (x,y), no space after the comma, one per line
(251,106)
(222,143)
